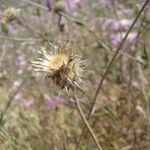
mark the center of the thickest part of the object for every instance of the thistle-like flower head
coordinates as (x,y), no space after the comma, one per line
(10,14)
(62,65)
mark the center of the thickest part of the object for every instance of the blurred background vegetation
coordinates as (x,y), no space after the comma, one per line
(36,115)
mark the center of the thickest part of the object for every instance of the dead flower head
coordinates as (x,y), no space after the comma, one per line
(10,14)
(62,65)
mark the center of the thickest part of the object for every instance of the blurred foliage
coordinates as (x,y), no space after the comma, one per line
(121,117)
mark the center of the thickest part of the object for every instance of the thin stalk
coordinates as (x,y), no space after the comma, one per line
(19,39)
(36,4)
(108,68)
(3,53)
(86,123)
(142,78)
(11,98)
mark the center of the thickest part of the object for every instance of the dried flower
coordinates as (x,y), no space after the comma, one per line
(62,65)
(10,14)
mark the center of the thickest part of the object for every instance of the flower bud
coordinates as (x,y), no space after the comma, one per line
(60,6)
(10,14)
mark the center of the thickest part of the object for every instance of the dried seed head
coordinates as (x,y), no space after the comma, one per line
(62,65)
(10,14)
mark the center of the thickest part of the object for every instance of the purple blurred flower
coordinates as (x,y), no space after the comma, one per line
(54,102)
(114,24)
(73,4)
(29,103)
(22,60)
(106,3)
(48,4)
(18,97)
(118,37)
(143,1)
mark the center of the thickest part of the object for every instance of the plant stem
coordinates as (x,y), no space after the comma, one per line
(11,98)
(18,39)
(85,121)
(108,68)
(36,4)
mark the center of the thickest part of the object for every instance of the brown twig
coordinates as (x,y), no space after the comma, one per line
(108,68)
(85,121)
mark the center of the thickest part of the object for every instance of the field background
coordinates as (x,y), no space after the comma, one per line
(36,115)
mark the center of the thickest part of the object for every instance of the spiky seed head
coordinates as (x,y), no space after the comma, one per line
(62,65)
(10,14)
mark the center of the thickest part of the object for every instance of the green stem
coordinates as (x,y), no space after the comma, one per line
(18,39)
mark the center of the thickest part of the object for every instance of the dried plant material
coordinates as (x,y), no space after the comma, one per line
(62,64)
(10,14)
